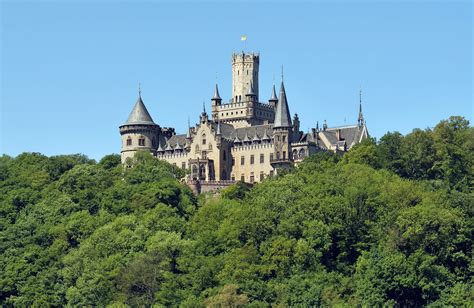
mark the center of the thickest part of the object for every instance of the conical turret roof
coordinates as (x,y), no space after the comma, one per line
(282,113)
(139,114)
(216,96)
(273,97)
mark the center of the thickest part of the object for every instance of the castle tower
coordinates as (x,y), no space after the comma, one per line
(139,132)
(244,75)
(282,128)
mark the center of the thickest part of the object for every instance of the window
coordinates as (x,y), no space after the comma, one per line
(224,155)
(283,138)
(271,172)
(262,158)
(302,153)
(271,156)
(129,141)
(233,177)
(261,176)
(242,160)
(204,155)
(197,148)
(204,139)
(252,177)
(284,155)
(278,155)
(183,165)
(141,142)
(210,147)
(252,159)
(242,177)
(233,161)
(247,72)
(278,138)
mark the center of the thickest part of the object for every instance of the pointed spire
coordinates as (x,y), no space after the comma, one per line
(188,134)
(139,114)
(317,126)
(273,97)
(265,136)
(160,148)
(255,137)
(251,91)
(360,119)
(282,113)
(216,96)
(246,138)
(203,106)
(218,131)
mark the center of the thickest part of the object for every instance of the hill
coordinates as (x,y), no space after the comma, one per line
(391,222)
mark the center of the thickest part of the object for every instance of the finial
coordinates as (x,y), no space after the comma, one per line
(282,73)
(360,100)
(139,90)
(203,106)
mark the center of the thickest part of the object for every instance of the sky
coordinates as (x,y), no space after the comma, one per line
(70,69)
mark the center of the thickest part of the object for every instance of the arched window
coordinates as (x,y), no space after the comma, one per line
(295,154)
(197,148)
(141,141)
(210,147)
(194,172)
(302,153)
(129,141)
(203,139)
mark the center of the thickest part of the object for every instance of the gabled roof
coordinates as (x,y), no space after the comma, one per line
(282,112)
(139,114)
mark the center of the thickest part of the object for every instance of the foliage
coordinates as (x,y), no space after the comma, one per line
(388,224)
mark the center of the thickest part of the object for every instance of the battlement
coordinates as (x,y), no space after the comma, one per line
(242,56)
(253,146)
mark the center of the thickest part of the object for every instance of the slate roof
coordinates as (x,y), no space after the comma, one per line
(282,112)
(139,114)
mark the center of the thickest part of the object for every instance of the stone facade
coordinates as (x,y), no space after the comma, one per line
(244,140)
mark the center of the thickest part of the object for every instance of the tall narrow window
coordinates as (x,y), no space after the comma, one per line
(129,141)
(203,139)
(262,158)
(224,155)
(252,177)
(183,165)
(141,142)
(283,138)
(284,155)
(242,178)
(242,160)
(271,156)
(252,159)
(261,176)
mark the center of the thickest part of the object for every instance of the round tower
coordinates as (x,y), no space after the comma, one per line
(139,132)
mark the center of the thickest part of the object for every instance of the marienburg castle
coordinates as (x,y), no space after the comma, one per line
(246,139)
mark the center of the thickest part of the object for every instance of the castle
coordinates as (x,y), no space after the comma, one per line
(245,139)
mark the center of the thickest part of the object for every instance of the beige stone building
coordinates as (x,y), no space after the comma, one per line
(244,140)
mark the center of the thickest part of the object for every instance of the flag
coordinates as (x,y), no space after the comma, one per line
(243,38)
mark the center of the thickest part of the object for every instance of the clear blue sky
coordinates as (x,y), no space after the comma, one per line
(70,70)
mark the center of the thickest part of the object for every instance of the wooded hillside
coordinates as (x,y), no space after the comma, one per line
(391,222)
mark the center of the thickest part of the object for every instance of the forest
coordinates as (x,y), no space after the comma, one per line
(390,223)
